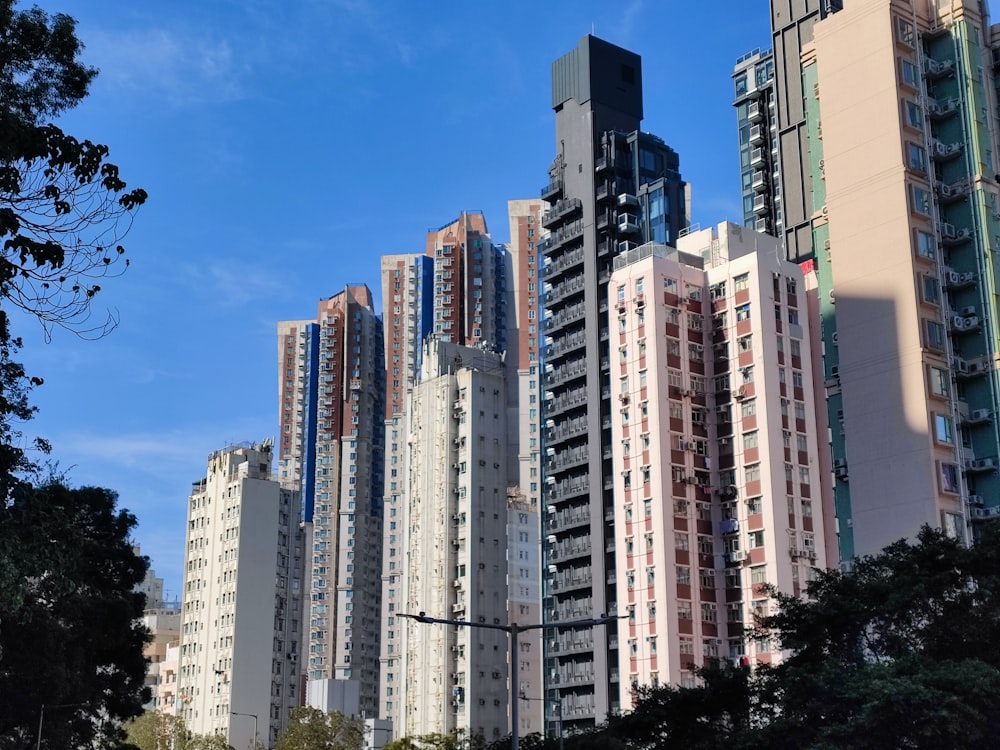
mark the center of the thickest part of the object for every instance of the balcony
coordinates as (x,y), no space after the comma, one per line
(567,316)
(565,262)
(571,285)
(567,519)
(564,234)
(566,345)
(560,210)
(553,190)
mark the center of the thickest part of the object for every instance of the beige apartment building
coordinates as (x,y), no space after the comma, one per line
(453,538)
(240,627)
(716,475)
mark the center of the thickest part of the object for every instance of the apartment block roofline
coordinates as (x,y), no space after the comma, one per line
(464,212)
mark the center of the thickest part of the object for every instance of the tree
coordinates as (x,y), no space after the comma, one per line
(158,731)
(902,652)
(436,741)
(207,742)
(311,729)
(70,633)
(63,206)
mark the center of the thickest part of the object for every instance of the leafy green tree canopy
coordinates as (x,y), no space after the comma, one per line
(901,652)
(157,731)
(63,206)
(311,729)
(70,633)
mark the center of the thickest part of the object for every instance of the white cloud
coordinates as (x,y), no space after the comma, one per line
(181,68)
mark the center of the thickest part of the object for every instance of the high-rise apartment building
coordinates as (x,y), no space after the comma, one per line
(898,204)
(469,283)
(717,476)
(792,23)
(525,337)
(240,628)
(331,394)
(753,80)
(453,537)
(446,317)
(611,187)
(407,315)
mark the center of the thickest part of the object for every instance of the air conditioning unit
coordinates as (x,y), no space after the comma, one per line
(834,337)
(737,555)
(967,311)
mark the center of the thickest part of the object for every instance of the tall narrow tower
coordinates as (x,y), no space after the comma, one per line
(611,187)
(792,24)
(447,457)
(332,391)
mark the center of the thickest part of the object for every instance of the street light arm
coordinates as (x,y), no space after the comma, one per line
(424,619)
(589,623)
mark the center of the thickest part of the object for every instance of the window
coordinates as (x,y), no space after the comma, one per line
(755,505)
(904,32)
(911,75)
(755,539)
(752,473)
(743,312)
(914,115)
(749,408)
(935,334)
(683,575)
(921,200)
(749,440)
(949,478)
(916,157)
(741,282)
(944,430)
(938,380)
(925,245)
(930,290)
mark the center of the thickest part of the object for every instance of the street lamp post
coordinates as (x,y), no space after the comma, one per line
(254,717)
(41,718)
(513,629)
(557,709)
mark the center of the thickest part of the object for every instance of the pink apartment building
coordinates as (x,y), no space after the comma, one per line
(717,481)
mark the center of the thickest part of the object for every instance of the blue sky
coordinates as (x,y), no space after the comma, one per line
(286,145)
